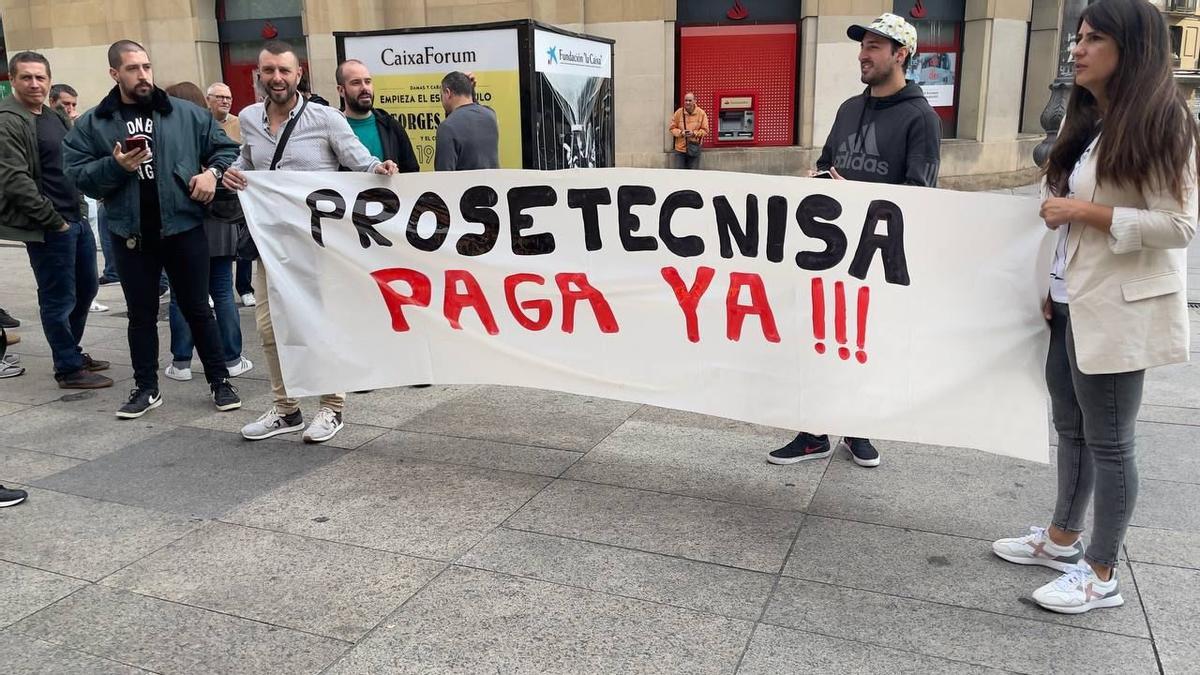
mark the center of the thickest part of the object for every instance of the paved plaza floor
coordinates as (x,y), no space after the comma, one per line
(503,530)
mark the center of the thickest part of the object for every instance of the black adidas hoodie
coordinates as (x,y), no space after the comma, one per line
(895,139)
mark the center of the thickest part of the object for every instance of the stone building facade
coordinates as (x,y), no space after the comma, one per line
(998,55)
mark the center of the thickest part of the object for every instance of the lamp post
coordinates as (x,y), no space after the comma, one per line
(1060,89)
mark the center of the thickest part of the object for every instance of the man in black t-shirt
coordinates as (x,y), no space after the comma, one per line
(155,160)
(41,208)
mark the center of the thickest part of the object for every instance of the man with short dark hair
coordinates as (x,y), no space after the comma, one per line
(41,208)
(382,135)
(887,134)
(469,136)
(321,140)
(155,160)
(65,99)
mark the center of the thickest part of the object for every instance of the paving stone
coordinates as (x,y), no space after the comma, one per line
(61,430)
(23,466)
(37,386)
(948,632)
(10,408)
(1173,385)
(719,590)
(939,489)
(83,538)
(473,452)
(1163,547)
(33,339)
(1169,414)
(681,418)
(727,534)
(351,437)
(26,590)
(924,566)
(526,416)
(1163,452)
(699,462)
(406,506)
(476,621)
(183,402)
(28,656)
(1171,596)
(311,585)
(170,638)
(393,408)
(782,650)
(1168,505)
(196,473)
(1178,658)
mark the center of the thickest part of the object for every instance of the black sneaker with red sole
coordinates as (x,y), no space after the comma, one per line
(804,447)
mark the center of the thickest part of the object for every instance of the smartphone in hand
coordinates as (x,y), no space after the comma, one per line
(133,143)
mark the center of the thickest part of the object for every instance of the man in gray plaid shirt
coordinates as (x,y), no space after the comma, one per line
(321,141)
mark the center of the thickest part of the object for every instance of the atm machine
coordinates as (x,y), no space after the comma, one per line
(735,118)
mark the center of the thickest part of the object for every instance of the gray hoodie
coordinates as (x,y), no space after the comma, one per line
(895,139)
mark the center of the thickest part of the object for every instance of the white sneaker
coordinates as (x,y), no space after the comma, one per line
(242,367)
(1036,548)
(210,302)
(272,424)
(248,300)
(97,307)
(1078,591)
(324,426)
(178,374)
(10,369)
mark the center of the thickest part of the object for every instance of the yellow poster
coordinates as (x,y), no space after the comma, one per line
(407,69)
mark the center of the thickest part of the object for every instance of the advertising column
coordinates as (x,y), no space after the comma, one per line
(407,69)
(573,123)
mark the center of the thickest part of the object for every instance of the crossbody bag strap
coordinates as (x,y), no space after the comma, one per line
(287,133)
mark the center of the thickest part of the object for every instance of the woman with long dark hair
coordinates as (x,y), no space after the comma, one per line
(1121,180)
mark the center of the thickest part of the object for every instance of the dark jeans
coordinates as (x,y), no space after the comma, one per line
(65,269)
(1094,416)
(245,274)
(686,162)
(184,257)
(106,246)
(220,289)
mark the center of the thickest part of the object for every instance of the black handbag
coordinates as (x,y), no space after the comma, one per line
(693,148)
(246,248)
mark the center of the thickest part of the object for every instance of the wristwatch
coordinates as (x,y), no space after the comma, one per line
(216,172)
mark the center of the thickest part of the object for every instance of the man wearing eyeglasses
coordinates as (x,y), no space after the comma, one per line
(220,100)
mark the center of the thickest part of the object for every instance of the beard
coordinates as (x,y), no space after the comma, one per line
(280,98)
(138,94)
(360,106)
(877,76)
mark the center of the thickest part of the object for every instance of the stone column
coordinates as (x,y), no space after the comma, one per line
(989,102)
(1061,89)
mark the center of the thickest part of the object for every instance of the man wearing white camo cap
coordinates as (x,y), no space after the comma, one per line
(887,134)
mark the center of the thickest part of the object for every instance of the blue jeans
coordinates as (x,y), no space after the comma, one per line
(245,272)
(110,263)
(220,288)
(1095,417)
(65,268)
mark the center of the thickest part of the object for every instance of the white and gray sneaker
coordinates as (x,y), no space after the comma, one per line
(325,426)
(1036,548)
(1078,591)
(243,366)
(273,424)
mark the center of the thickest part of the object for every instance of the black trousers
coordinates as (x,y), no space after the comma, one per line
(184,256)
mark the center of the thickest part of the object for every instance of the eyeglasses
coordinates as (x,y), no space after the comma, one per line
(221,98)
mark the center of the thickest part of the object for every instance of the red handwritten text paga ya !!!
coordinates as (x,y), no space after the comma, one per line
(814,215)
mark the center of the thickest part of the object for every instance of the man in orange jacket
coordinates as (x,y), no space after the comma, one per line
(689,126)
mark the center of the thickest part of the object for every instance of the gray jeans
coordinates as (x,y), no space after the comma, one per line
(1094,416)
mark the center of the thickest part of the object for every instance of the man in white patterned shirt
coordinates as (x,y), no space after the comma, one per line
(321,141)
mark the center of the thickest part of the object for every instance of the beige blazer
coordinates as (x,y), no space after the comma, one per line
(1128,289)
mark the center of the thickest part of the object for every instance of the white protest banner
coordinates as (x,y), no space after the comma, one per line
(830,306)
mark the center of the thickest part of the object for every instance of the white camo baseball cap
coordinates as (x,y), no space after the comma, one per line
(890,26)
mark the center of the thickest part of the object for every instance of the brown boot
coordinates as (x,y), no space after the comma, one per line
(82,379)
(94,365)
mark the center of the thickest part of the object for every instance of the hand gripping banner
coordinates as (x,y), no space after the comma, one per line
(890,312)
